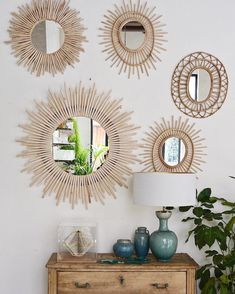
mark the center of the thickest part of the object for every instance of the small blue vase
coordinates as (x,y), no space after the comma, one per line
(141,242)
(123,248)
(163,243)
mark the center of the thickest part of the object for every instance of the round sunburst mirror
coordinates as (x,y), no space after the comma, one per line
(133,37)
(79,144)
(199,85)
(46,36)
(173,146)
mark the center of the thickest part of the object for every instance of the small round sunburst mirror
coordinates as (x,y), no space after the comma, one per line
(133,38)
(46,36)
(173,146)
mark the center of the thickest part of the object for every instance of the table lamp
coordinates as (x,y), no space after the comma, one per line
(164,189)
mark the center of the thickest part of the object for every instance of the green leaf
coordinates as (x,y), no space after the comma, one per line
(204,195)
(211,252)
(207,205)
(187,219)
(225,279)
(229,260)
(228,203)
(204,279)
(230,224)
(198,211)
(200,271)
(217,259)
(209,287)
(184,208)
(197,221)
(218,272)
(224,289)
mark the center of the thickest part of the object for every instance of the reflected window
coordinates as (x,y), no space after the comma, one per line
(133,35)
(193,86)
(173,151)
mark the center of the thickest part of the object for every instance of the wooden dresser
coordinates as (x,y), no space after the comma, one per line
(175,277)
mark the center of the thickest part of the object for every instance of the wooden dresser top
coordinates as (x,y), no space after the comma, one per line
(179,261)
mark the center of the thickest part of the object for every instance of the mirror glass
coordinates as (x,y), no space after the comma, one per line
(80,146)
(199,84)
(47,36)
(133,35)
(173,151)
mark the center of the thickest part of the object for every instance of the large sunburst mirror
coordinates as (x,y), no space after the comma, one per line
(46,36)
(173,146)
(79,144)
(133,37)
(199,85)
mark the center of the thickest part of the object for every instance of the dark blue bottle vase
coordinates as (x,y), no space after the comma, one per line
(123,248)
(141,242)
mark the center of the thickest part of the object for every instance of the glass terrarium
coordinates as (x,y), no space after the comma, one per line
(77,241)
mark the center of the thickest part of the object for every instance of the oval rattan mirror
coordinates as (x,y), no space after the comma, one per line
(133,37)
(73,177)
(173,146)
(199,85)
(46,36)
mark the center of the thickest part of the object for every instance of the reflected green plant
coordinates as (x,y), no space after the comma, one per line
(82,165)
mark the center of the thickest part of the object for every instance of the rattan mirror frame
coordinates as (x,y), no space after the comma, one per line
(129,61)
(159,133)
(37,142)
(180,81)
(24,20)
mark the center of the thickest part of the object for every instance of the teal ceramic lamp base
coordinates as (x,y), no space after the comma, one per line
(163,243)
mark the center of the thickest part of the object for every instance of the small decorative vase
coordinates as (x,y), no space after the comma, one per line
(141,242)
(163,243)
(123,248)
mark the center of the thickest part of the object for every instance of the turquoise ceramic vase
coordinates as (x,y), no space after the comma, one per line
(141,242)
(163,243)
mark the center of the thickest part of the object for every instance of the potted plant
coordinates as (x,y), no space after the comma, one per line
(213,219)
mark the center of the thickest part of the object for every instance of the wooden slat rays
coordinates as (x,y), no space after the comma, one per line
(180,85)
(37,144)
(22,24)
(159,133)
(142,59)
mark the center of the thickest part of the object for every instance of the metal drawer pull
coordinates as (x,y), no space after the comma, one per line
(121,279)
(160,286)
(84,286)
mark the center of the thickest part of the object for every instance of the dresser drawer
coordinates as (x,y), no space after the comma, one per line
(122,282)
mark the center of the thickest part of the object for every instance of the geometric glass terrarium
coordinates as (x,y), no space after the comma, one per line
(77,241)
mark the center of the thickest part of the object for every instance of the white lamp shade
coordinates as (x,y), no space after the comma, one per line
(164,189)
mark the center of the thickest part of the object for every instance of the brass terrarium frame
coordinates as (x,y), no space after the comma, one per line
(133,61)
(22,25)
(159,133)
(38,145)
(180,85)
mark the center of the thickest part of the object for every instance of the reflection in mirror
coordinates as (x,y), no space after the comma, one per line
(47,36)
(173,151)
(80,146)
(199,84)
(133,35)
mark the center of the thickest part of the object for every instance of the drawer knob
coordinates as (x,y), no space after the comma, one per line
(84,286)
(121,280)
(160,286)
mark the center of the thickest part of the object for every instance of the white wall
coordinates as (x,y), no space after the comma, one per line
(29,223)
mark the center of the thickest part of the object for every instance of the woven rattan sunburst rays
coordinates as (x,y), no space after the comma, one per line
(159,133)
(37,144)
(20,30)
(142,59)
(180,85)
